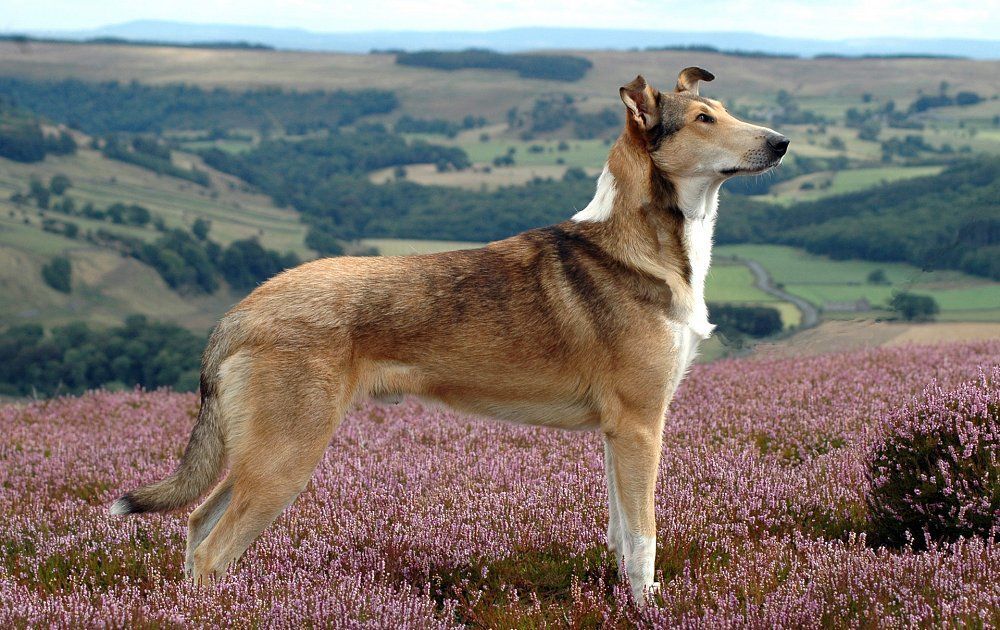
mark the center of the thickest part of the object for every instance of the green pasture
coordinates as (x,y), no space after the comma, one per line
(820,280)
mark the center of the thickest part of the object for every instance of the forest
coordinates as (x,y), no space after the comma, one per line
(528,66)
(74,358)
(102,108)
(946,221)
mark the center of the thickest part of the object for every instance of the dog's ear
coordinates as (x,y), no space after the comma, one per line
(687,80)
(642,102)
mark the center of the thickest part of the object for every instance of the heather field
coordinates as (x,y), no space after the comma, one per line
(419,517)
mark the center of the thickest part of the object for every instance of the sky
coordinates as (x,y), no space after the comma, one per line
(834,19)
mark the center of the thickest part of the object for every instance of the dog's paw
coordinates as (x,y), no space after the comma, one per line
(647,594)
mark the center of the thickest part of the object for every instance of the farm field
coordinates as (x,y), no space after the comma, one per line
(421,517)
(845,181)
(821,280)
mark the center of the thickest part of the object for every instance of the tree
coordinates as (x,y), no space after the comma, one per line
(59,184)
(22,142)
(40,192)
(878,276)
(914,307)
(57,273)
(200,228)
(245,264)
(736,320)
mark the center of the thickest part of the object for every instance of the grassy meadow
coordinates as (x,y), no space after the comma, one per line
(819,280)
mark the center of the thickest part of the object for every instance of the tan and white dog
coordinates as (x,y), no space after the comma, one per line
(588,324)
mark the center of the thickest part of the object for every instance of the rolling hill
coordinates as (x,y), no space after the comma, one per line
(503,131)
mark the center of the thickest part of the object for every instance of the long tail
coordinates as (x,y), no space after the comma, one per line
(205,454)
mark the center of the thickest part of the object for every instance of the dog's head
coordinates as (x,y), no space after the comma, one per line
(688,135)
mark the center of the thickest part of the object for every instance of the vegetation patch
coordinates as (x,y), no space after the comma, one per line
(936,476)
(551,67)
(110,107)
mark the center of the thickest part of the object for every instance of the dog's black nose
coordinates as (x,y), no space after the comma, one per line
(778,143)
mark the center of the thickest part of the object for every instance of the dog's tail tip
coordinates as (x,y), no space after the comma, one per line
(124,505)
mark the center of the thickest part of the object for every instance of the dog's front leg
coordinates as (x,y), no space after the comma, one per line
(614,534)
(633,453)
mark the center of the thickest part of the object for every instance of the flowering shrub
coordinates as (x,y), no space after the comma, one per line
(420,517)
(937,474)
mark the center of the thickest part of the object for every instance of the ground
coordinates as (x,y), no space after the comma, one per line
(419,517)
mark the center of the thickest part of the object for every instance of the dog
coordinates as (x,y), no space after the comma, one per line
(590,324)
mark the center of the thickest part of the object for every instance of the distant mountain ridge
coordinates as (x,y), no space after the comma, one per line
(529,38)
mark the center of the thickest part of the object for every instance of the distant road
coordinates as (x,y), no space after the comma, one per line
(763,281)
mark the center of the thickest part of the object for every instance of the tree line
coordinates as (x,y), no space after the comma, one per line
(74,358)
(528,66)
(22,138)
(103,108)
(438,126)
(192,264)
(945,221)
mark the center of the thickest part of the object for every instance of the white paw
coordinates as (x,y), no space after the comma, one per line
(646,594)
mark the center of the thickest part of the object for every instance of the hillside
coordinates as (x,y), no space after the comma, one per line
(426,92)
(761,507)
(107,286)
(349,147)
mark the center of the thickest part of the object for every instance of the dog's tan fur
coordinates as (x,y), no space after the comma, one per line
(576,326)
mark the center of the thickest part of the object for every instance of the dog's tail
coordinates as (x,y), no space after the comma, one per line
(205,454)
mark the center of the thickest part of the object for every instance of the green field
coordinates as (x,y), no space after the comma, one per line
(821,280)
(234,213)
(583,153)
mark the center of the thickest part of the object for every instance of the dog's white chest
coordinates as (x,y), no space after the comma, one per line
(698,246)
(697,237)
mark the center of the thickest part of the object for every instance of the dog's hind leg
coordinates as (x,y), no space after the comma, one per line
(204,518)
(635,457)
(294,407)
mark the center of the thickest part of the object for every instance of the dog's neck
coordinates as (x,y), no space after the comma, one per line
(657,224)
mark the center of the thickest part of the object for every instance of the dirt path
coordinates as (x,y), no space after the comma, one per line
(762,280)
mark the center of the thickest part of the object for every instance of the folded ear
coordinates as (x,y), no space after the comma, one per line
(687,80)
(641,100)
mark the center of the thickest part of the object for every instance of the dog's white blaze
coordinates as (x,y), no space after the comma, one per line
(599,208)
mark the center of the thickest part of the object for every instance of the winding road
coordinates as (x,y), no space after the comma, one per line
(763,281)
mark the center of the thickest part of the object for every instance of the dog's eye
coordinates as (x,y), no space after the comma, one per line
(705,118)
